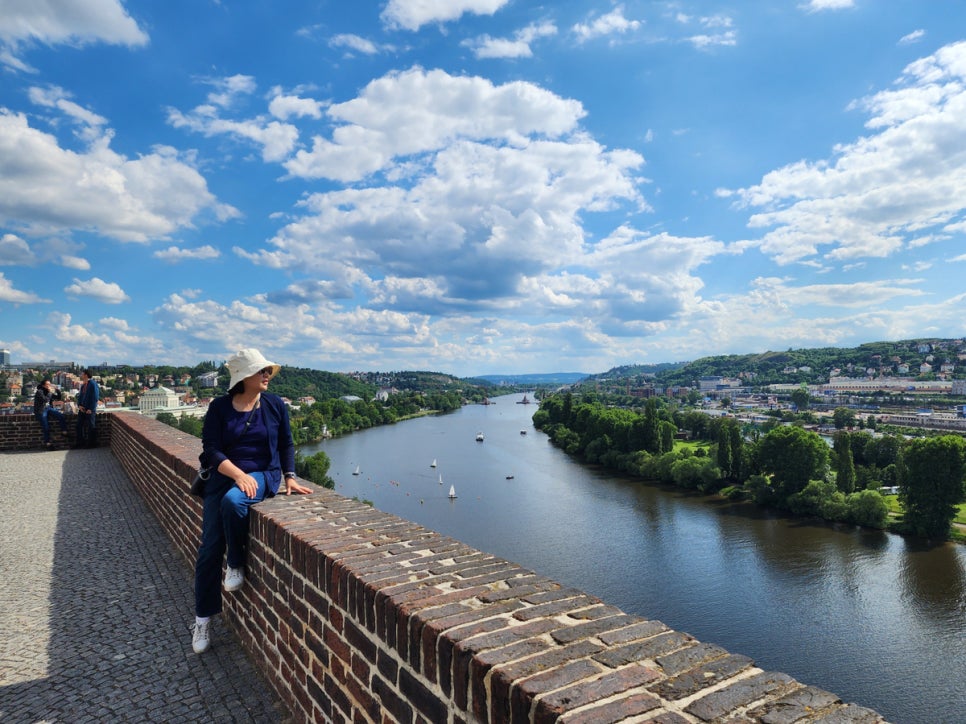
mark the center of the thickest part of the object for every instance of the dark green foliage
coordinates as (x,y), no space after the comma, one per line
(868,508)
(315,469)
(931,484)
(801,397)
(843,463)
(793,456)
(843,417)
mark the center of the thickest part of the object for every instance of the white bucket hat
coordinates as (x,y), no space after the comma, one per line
(246,362)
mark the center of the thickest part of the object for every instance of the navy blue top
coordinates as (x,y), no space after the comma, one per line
(266,445)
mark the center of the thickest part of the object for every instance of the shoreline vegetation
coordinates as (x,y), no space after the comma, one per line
(906,486)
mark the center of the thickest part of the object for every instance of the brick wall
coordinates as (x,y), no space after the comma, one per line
(22,431)
(356,615)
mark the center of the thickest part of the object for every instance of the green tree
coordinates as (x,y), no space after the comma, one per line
(843,417)
(868,508)
(315,468)
(931,483)
(793,456)
(844,464)
(801,397)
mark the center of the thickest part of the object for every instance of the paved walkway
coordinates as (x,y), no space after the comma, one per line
(95,606)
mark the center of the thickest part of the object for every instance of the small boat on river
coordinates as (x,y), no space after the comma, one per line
(357,471)
(452,492)
(433,464)
(479,437)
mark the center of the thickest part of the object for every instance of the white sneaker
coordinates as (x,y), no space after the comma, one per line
(234,578)
(199,637)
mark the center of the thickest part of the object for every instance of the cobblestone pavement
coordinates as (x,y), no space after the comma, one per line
(96,604)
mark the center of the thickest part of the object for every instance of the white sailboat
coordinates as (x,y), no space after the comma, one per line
(357,470)
(452,492)
(479,437)
(440,478)
(433,464)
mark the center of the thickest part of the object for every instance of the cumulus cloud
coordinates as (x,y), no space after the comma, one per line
(98,290)
(516,47)
(884,192)
(9,294)
(417,111)
(612,23)
(48,189)
(175,254)
(107,338)
(75,22)
(284,106)
(16,251)
(413,14)
(276,139)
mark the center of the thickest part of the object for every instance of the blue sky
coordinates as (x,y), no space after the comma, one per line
(478,186)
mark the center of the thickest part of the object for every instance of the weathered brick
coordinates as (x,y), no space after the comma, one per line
(566,699)
(795,706)
(614,711)
(702,677)
(740,694)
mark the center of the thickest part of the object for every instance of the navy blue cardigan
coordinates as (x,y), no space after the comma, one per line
(217,443)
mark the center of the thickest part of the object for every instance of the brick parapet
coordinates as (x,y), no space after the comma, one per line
(21,431)
(358,615)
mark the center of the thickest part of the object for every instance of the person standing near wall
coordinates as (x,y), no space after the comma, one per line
(87,411)
(43,409)
(248,449)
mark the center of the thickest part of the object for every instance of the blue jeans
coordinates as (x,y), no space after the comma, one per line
(224,525)
(45,423)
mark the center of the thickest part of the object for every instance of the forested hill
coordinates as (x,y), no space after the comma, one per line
(295,382)
(806,365)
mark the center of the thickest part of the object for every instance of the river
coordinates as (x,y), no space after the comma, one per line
(875,618)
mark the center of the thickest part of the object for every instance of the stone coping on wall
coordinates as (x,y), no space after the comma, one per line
(358,615)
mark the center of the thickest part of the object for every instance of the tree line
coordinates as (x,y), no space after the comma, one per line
(786,467)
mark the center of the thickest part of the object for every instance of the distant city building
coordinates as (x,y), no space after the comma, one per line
(4,357)
(159,399)
(208,379)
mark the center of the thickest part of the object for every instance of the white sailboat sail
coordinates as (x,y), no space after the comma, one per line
(452,491)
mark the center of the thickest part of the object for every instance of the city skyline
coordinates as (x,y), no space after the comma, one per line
(478,186)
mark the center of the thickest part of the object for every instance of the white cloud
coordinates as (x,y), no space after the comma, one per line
(75,22)
(883,192)
(175,254)
(74,262)
(99,290)
(418,111)
(230,89)
(516,47)
(611,23)
(284,107)
(815,6)
(54,97)
(703,41)
(914,37)
(108,338)
(47,189)
(354,42)
(16,251)
(15,296)
(413,14)
(277,140)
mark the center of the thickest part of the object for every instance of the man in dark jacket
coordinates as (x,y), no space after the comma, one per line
(43,409)
(87,410)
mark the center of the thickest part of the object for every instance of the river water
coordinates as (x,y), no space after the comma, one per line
(877,619)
